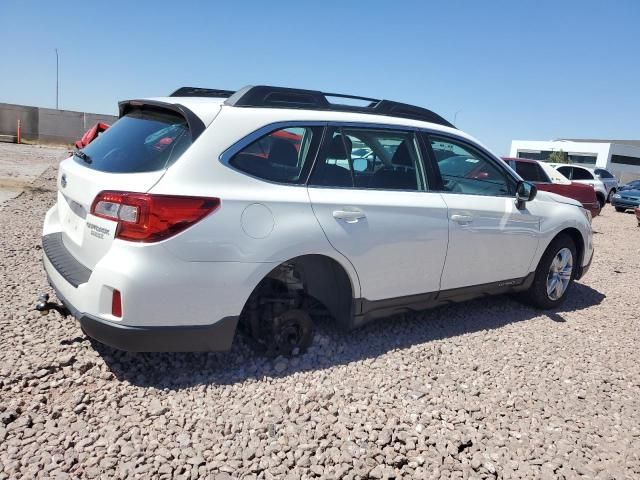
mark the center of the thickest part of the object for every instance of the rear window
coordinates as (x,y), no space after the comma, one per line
(143,140)
(531,172)
(284,155)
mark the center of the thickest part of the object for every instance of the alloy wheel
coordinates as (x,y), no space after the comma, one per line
(559,274)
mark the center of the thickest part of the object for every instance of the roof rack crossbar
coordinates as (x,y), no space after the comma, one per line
(201,92)
(354,97)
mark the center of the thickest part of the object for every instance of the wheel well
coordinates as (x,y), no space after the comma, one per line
(576,236)
(601,197)
(321,278)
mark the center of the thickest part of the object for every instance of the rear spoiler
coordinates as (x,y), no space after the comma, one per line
(196,126)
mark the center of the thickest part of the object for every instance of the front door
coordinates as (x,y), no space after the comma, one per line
(490,240)
(371,197)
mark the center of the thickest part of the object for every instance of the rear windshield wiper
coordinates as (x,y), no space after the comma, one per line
(80,154)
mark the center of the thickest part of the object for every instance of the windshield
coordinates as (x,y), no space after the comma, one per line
(142,141)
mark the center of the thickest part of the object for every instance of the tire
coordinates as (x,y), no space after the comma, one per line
(620,209)
(538,295)
(611,192)
(601,201)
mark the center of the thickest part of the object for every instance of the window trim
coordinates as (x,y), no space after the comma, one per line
(427,160)
(510,179)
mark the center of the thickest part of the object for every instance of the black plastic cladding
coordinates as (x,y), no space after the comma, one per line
(282,97)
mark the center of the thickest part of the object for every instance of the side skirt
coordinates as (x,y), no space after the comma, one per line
(367,310)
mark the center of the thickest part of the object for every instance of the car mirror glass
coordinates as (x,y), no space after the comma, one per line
(525,192)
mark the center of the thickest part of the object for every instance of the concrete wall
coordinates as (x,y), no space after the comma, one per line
(48,125)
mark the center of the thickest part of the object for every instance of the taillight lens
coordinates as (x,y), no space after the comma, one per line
(144,217)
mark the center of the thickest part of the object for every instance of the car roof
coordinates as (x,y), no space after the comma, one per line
(208,107)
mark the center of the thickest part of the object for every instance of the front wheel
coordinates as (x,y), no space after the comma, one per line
(554,275)
(611,192)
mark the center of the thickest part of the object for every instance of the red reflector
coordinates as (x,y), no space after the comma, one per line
(143,217)
(116,304)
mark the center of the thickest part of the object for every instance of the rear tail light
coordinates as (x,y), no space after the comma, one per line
(143,217)
(116,304)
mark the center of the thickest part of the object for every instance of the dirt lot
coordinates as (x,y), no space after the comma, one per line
(486,389)
(21,165)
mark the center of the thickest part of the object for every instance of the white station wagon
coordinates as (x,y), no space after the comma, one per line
(209,210)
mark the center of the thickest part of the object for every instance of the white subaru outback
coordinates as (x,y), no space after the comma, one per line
(209,210)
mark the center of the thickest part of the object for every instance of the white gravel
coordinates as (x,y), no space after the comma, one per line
(486,389)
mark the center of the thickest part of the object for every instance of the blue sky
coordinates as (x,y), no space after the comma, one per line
(513,69)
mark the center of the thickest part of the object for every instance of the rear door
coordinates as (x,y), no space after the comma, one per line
(490,240)
(378,212)
(132,155)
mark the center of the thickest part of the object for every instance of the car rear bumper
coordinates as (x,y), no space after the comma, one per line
(195,338)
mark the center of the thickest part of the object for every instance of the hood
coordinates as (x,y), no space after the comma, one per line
(554,197)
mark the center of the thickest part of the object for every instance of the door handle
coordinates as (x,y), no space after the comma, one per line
(349,216)
(462,219)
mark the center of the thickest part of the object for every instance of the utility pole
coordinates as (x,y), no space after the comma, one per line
(57,79)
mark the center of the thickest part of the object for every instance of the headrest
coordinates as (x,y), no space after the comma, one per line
(337,148)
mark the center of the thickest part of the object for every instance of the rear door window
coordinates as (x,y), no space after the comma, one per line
(370,158)
(283,155)
(603,173)
(143,140)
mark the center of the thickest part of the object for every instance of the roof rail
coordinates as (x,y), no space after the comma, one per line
(201,92)
(282,97)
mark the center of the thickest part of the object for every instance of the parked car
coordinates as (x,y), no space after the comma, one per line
(604,183)
(549,179)
(626,199)
(171,249)
(633,185)
(91,134)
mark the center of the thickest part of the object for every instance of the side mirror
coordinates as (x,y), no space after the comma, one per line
(525,192)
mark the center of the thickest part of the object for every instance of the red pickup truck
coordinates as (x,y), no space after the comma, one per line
(549,179)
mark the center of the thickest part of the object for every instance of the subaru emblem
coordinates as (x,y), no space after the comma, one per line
(63,180)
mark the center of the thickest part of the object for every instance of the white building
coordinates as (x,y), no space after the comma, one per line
(620,157)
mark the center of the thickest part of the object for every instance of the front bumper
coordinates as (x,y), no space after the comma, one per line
(625,202)
(196,338)
(582,271)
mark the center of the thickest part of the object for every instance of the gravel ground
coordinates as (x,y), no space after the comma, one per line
(486,389)
(22,164)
